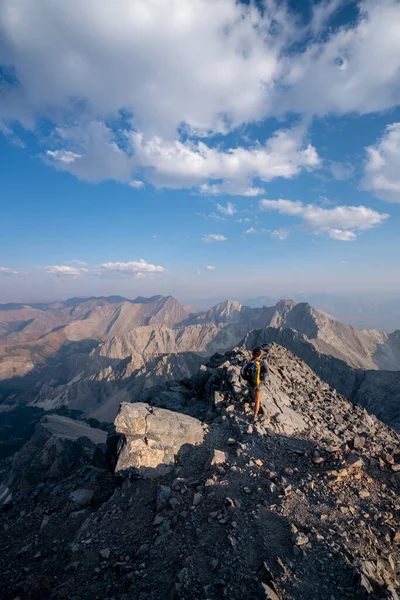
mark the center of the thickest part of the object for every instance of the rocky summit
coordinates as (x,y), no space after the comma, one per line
(203,502)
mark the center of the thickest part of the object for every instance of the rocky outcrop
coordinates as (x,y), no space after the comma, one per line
(152,438)
(57,445)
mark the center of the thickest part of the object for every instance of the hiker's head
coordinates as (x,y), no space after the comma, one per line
(256,353)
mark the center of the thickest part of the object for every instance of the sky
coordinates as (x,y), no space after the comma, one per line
(202,148)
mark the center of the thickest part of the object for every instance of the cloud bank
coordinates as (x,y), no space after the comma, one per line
(340,222)
(134,91)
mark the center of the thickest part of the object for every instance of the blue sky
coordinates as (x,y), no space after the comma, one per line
(204,149)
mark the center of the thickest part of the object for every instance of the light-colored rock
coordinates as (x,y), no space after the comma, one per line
(218,458)
(153,437)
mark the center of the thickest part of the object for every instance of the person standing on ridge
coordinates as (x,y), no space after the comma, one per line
(255,373)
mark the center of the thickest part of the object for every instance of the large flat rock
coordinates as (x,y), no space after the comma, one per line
(153,437)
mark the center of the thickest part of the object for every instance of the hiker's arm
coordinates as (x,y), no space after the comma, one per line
(264,370)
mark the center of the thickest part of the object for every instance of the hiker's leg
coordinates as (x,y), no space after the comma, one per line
(257,394)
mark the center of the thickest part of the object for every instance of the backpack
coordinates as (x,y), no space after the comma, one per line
(251,373)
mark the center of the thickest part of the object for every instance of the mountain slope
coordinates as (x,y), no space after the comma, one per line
(301,505)
(28,335)
(365,349)
(378,391)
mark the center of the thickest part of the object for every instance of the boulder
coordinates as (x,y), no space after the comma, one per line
(152,437)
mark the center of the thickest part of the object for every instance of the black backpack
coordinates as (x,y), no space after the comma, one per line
(251,373)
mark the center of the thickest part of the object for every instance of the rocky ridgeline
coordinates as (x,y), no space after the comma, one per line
(302,504)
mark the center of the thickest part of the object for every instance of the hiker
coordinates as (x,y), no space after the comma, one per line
(255,373)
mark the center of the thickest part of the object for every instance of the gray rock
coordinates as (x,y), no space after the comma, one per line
(163,495)
(81,496)
(197,498)
(358,442)
(153,437)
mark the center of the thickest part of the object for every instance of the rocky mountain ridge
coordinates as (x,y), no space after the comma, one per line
(116,350)
(208,504)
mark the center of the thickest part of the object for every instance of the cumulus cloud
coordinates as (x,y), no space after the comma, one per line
(188,164)
(251,230)
(229,210)
(138,268)
(328,220)
(65,270)
(382,168)
(214,237)
(210,268)
(206,66)
(7,271)
(127,86)
(99,155)
(343,236)
(357,66)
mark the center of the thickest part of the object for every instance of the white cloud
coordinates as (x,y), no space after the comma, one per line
(354,68)
(188,164)
(7,271)
(63,156)
(137,184)
(329,220)
(210,268)
(280,234)
(343,236)
(65,270)
(243,220)
(251,230)
(206,65)
(214,237)
(252,192)
(229,210)
(125,82)
(78,262)
(100,154)
(138,268)
(231,188)
(382,169)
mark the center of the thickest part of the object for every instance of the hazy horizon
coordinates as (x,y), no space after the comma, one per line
(378,311)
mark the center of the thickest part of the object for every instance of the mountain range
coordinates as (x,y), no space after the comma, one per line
(90,354)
